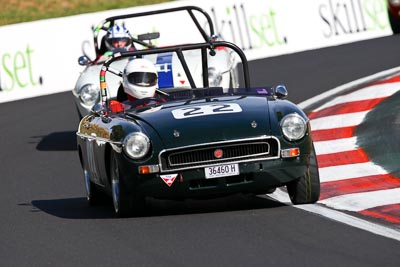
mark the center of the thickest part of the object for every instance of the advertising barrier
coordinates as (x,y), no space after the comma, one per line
(42,57)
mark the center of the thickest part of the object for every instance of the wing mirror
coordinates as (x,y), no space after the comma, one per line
(149,36)
(84,61)
(88,51)
(280,91)
(96,109)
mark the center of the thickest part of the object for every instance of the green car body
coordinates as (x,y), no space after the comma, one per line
(234,136)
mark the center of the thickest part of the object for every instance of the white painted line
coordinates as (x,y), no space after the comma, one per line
(335,146)
(374,228)
(349,171)
(338,121)
(364,200)
(345,87)
(367,93)
(281,196)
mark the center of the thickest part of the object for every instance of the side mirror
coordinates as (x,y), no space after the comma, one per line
(96,109)
(149,36)
(88,51)
(280,91)
(84,61)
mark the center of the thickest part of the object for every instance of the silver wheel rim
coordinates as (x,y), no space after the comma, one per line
(115,188)
(87,183)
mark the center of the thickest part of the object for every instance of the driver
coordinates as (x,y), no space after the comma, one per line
(139,81)
(118,38)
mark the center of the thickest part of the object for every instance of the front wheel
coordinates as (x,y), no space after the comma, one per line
(306,189)
(125,204)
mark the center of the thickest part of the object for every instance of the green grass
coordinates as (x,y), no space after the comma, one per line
(16,11)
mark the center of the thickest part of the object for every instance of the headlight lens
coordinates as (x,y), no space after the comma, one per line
(214,77)
(293,127)
(136,145)
(89,94)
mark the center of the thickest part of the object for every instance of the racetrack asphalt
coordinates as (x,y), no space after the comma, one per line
(46,220)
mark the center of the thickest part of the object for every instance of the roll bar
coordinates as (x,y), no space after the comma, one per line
(189,9)
(179,51)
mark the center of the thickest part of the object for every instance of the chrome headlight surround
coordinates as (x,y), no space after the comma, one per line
(89,94)
(214,77)
(293,126)
(136,145)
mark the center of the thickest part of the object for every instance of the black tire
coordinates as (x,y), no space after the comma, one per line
(93,194)
(306,189)
(124,203)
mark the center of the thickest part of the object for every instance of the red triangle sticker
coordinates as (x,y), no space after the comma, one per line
(169,178)
(182,82)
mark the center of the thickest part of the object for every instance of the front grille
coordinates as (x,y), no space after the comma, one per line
(231,152)
(234,151)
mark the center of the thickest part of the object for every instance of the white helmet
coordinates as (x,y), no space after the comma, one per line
(118,37)
(139,78)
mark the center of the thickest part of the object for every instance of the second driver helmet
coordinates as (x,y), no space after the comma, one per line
(118,37)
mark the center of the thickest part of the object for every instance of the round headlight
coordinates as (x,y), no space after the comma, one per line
(293,127)
(214,77)
(136,145)
(89,94)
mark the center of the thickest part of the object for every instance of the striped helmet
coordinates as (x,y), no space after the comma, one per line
(118,37)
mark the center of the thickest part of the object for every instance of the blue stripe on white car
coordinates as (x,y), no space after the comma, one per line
(164,66)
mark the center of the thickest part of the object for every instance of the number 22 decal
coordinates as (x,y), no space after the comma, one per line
(204,110)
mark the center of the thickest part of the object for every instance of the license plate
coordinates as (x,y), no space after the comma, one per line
(221,171)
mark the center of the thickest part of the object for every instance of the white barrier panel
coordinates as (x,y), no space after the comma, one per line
(40,57)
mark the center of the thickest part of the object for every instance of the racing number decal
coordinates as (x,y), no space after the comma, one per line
(204,110)
(192,112)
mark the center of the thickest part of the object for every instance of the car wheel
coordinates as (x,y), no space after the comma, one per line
(125,204)
(93,195)
(306,189)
